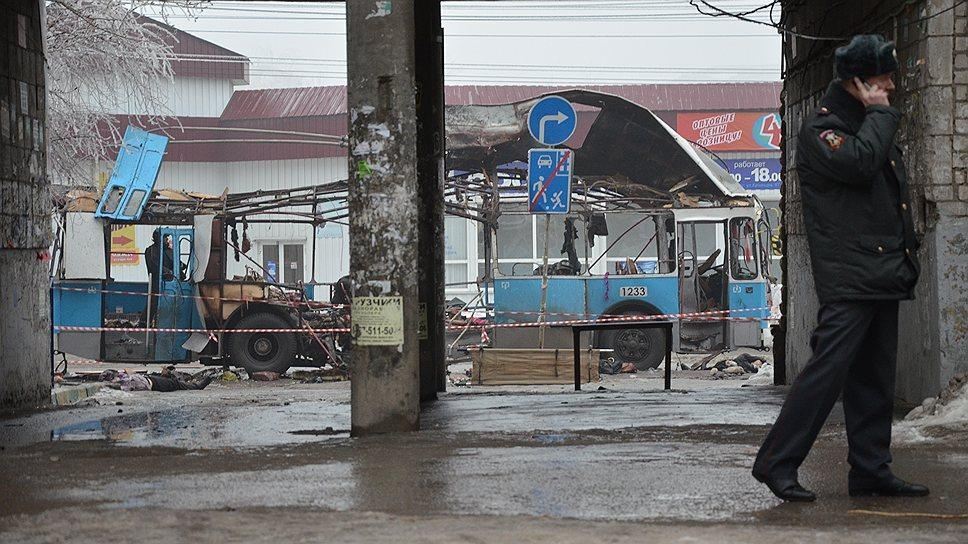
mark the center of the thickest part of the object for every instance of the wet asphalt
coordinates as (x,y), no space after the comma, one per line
(619,455)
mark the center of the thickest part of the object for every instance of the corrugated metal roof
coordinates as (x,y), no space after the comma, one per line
(197,57)
(292,102)
(314,101)
(657,97)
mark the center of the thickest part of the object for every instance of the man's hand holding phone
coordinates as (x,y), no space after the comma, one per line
(869,94)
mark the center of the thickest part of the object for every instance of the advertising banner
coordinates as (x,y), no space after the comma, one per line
(124,248)
(731,131)
(755,174)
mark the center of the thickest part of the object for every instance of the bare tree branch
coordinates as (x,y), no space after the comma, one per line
(105,62)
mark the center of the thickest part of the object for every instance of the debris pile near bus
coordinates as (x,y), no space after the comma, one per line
(739,365)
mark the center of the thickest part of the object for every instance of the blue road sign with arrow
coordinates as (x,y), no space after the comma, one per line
(552,120)
(549,180)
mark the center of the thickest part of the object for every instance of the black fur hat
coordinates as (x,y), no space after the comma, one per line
(865,56)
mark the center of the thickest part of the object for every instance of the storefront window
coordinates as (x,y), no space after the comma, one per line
(455,250)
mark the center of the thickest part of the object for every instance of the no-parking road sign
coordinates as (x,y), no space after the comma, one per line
(549,180)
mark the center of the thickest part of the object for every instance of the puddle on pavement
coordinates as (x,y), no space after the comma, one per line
(328,431)
(553,438)
(213,428)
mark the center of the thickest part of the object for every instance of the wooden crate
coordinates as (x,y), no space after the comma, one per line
(493,366)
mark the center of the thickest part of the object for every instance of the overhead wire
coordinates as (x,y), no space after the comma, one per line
(719,12)
(305,64)
(646,11)
(496,35)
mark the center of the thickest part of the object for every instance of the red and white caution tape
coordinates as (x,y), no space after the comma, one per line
(709,316)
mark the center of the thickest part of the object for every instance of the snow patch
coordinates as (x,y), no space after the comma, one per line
(938,416)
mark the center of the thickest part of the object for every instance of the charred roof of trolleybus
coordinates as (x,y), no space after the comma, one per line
(616,143)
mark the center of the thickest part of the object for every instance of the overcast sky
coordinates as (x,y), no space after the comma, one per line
(513,42)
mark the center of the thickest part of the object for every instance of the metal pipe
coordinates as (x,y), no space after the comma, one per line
(240,129)
(544,283)
(246,141)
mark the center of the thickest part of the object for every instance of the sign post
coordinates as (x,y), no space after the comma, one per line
(551,121)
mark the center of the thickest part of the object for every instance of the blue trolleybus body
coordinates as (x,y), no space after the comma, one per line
(706,269)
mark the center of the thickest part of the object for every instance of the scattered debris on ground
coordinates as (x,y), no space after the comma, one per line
(165,381)
(763,376)
(945,415)
(735,366)
(609,365)
(459,374)
(265,376)
(701,364)
(106,396)
(327,373)
(234,375)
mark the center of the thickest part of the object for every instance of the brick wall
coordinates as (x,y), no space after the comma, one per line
(24,216)
(24,209)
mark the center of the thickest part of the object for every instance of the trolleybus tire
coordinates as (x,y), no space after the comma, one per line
(645,348)
(262,351)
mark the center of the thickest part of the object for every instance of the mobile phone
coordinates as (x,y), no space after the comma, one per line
(866,84)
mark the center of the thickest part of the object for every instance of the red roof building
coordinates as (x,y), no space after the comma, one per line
(322,110)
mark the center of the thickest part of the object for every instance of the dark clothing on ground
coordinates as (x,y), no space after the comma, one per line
(862,246)
(166,384)
(854,351)
(855,201)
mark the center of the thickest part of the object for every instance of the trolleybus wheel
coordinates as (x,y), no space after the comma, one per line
(262,351)
(645,348)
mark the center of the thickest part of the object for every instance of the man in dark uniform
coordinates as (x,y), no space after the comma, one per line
(160,263)
(863,251)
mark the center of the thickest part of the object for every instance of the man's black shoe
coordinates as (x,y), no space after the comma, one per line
(786,489)
(895,487)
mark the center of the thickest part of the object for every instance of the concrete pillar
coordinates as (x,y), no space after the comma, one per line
(384,207)
(429,53)
(25,371)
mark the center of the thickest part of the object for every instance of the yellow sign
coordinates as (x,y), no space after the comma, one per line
(377,321)
(124,247)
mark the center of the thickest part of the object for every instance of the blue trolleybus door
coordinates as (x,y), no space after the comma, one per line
(176,304)
(747,287)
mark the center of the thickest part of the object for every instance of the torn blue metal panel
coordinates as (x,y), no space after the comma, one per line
(134,175)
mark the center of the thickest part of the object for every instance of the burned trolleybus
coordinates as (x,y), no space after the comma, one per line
(189,309)
(657,227)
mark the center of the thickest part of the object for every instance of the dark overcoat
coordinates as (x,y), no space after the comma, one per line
(856,205)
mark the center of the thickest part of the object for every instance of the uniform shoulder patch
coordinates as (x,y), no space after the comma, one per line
(832,139)
(823,111)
